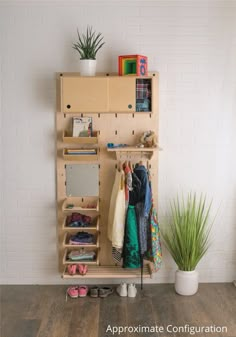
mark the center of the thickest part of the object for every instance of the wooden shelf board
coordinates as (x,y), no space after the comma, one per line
(94,262)
(80,140)
(77,229)
(78,204)
(129,150)
(80,157)
(132,149)
(111,272)
(67,245)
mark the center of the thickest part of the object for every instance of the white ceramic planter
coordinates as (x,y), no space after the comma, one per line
(186,282)
(88,67)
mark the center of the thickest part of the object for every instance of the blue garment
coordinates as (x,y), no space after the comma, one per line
(145,192)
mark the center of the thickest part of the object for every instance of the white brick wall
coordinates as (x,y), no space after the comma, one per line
(193,46)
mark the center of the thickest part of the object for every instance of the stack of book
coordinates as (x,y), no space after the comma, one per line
(81,151)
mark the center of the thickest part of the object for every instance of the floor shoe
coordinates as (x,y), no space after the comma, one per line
(132,290)
(122,289)
(105,291)
(82,291)
(72,292)
(94,291)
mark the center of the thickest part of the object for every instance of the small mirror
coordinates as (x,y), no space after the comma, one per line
(82,180)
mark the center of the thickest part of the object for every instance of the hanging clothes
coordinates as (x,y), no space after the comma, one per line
(145,193)
(155,253)
(116,216)
(143,228)
(131,252)
(128,183)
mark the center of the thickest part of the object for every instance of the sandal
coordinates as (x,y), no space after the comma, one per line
(82,291)
(71,269)
(72,292)
(105,291)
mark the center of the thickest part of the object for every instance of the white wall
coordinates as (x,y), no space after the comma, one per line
(193,46)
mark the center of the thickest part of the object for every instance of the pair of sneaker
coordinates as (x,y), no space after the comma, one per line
(125,290)
(76,291)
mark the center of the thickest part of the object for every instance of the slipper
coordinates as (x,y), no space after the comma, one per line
(105,291)
(85,269)
(82,269)
(71,269)
(82,290)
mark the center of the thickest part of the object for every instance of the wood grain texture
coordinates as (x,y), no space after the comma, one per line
(42,311)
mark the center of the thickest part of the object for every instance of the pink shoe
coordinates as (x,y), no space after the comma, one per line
(82,269)
(83,290)
(71,269)
(73,292)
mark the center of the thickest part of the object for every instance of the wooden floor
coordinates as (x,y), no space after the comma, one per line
(41,311)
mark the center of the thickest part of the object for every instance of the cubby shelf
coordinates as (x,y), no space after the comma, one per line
(66,243)
(67,261)
(94,226)
(81,204)
(67,138)
(104,272)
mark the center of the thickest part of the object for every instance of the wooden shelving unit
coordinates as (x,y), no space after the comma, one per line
(112,103)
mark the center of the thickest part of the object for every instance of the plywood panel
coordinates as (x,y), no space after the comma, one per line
(115,128)
(75,98)
(122,94)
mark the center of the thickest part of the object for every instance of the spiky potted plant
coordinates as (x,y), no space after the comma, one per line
(88,45)
(187,240)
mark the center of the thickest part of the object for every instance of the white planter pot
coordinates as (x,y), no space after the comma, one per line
(88,67)
(186,282)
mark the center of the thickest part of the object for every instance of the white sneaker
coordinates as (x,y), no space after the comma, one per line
(122,289)
(132,290)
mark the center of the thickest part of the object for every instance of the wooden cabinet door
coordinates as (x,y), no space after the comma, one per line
(122,94)
(84,94)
